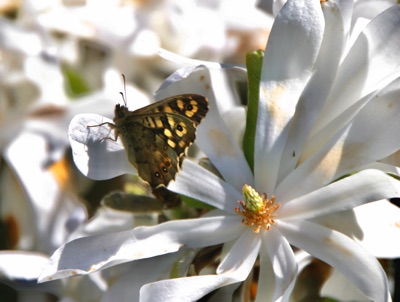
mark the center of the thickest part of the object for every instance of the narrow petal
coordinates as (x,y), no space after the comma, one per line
(235,267)
(377,122)
(128,279)
(185,289)
(315,93)
(374,225)
(371,62)
(20,265)
(184,61)
(350,148)
(102,251)
(266,279)
(299,25)
(96,156)
(342,253)
(380,223)
(242,254)
(347,193)
(198,183)
(283,264)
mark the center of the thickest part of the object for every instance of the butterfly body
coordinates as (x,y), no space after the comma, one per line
(157,136)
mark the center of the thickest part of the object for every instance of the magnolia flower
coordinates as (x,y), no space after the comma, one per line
(309,135)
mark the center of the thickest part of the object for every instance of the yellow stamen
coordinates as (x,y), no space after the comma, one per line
(258,211)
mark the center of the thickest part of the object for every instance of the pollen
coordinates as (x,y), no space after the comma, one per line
(257,210)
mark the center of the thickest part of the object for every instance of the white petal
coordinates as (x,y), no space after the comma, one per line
(315,93)
(235,119)
(235,267)
(266,279)
(322,152)
(185,289)
(283,264)
(342,253)
(45,205)
(350,149)
(373,134)
(102,251)
(240,259)
(379,222)
(339,288)
(374,225)
(15,39)
(298,26)
(198,183)
(21,265)
(376,122)
(357,189)
(184,61)
(127,279)
(96,156)
(371,62)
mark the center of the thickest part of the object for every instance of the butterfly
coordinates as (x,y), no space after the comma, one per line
(156,137)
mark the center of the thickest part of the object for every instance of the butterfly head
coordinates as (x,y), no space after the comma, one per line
(120,111)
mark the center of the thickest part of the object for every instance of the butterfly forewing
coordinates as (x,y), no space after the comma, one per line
(156,137)
(192,106)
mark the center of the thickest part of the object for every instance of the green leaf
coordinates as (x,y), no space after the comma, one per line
(254,65)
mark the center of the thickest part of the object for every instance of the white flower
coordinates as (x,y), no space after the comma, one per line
(320,119)
(92,36)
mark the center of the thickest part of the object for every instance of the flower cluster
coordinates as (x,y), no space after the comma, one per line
(296,164)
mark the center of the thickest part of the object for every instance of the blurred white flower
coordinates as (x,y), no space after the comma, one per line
(126,35)
(39,209)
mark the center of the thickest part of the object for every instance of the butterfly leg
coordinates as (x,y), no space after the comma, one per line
(112,126)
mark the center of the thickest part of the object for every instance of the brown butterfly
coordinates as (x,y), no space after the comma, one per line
(157,136)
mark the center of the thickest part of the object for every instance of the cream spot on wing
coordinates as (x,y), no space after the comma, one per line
(159,123)
(167,109)
(171,143)
(180,104)
(171,122)
(167,133)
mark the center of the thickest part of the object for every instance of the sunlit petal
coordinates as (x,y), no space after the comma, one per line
(317,89)
(341,252)
(370,63)
(247,244)
(357,189)
(102,251)
(282,82)
(95,153)
(198,183)
(283,263)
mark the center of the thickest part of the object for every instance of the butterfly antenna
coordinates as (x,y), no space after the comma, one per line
(123,94)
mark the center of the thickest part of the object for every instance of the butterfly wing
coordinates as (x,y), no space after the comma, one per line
(156,143)
(192,106)
(156,137)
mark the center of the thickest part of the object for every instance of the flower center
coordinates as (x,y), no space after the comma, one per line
(257,210)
